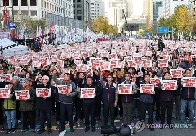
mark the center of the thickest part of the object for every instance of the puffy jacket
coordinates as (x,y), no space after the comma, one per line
(128,98)
(188,93)
(109,93)
(29,104)
(10,103)
(62,97)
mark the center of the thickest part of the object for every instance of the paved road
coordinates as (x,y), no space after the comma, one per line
(79,131)
(146,132)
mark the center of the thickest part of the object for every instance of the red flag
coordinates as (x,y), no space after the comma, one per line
(5,14)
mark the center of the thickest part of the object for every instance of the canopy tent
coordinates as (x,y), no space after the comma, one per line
(10,48)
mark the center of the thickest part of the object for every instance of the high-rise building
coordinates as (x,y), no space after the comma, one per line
(156,6)
(97,9)
(51,10)
(82,10)
(169,6)
(116,10)
(193,6)
(148,12)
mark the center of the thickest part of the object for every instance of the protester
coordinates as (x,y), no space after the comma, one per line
(109,63)
(166,98)
(146,104)
(187,100)
(109,98)
(10,105)
(66,101)
(127,101)
(89,106)
(44,105)
(27,107)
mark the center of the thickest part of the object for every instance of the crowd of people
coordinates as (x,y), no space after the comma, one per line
(102,66)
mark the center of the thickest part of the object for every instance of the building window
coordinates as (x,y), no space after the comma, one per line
(6,2)
(33,3)
(24,12)
(24,3)
(78,0)
(33,13)
(79,17)
(15,2)
(79,11)
(79,6)
(15,12)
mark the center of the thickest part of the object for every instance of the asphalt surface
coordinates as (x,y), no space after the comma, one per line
(79,131)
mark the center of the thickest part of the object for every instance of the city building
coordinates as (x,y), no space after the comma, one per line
(50,10)
(82,10)
(169,6)
(115,11)
(97,9)
(148,12)
(157,4)
(193,6)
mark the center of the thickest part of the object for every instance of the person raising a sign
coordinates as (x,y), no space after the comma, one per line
(166,101)
(27,107)
(146,103)
(89,104)
(127,100)
(187,97)
(109,98)
(45,93)
(10,105)
(66,100)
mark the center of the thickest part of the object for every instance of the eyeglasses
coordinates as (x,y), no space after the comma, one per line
(44,79)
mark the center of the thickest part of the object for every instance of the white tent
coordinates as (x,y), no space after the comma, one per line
(20,49)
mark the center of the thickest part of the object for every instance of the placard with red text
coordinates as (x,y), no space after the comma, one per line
(22,94)
(43,92)
(4,93)
(125,89)
(155,81)
(169,84)
(189,81)
(87,93)
(147,88)
(176,73)
(64,89)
